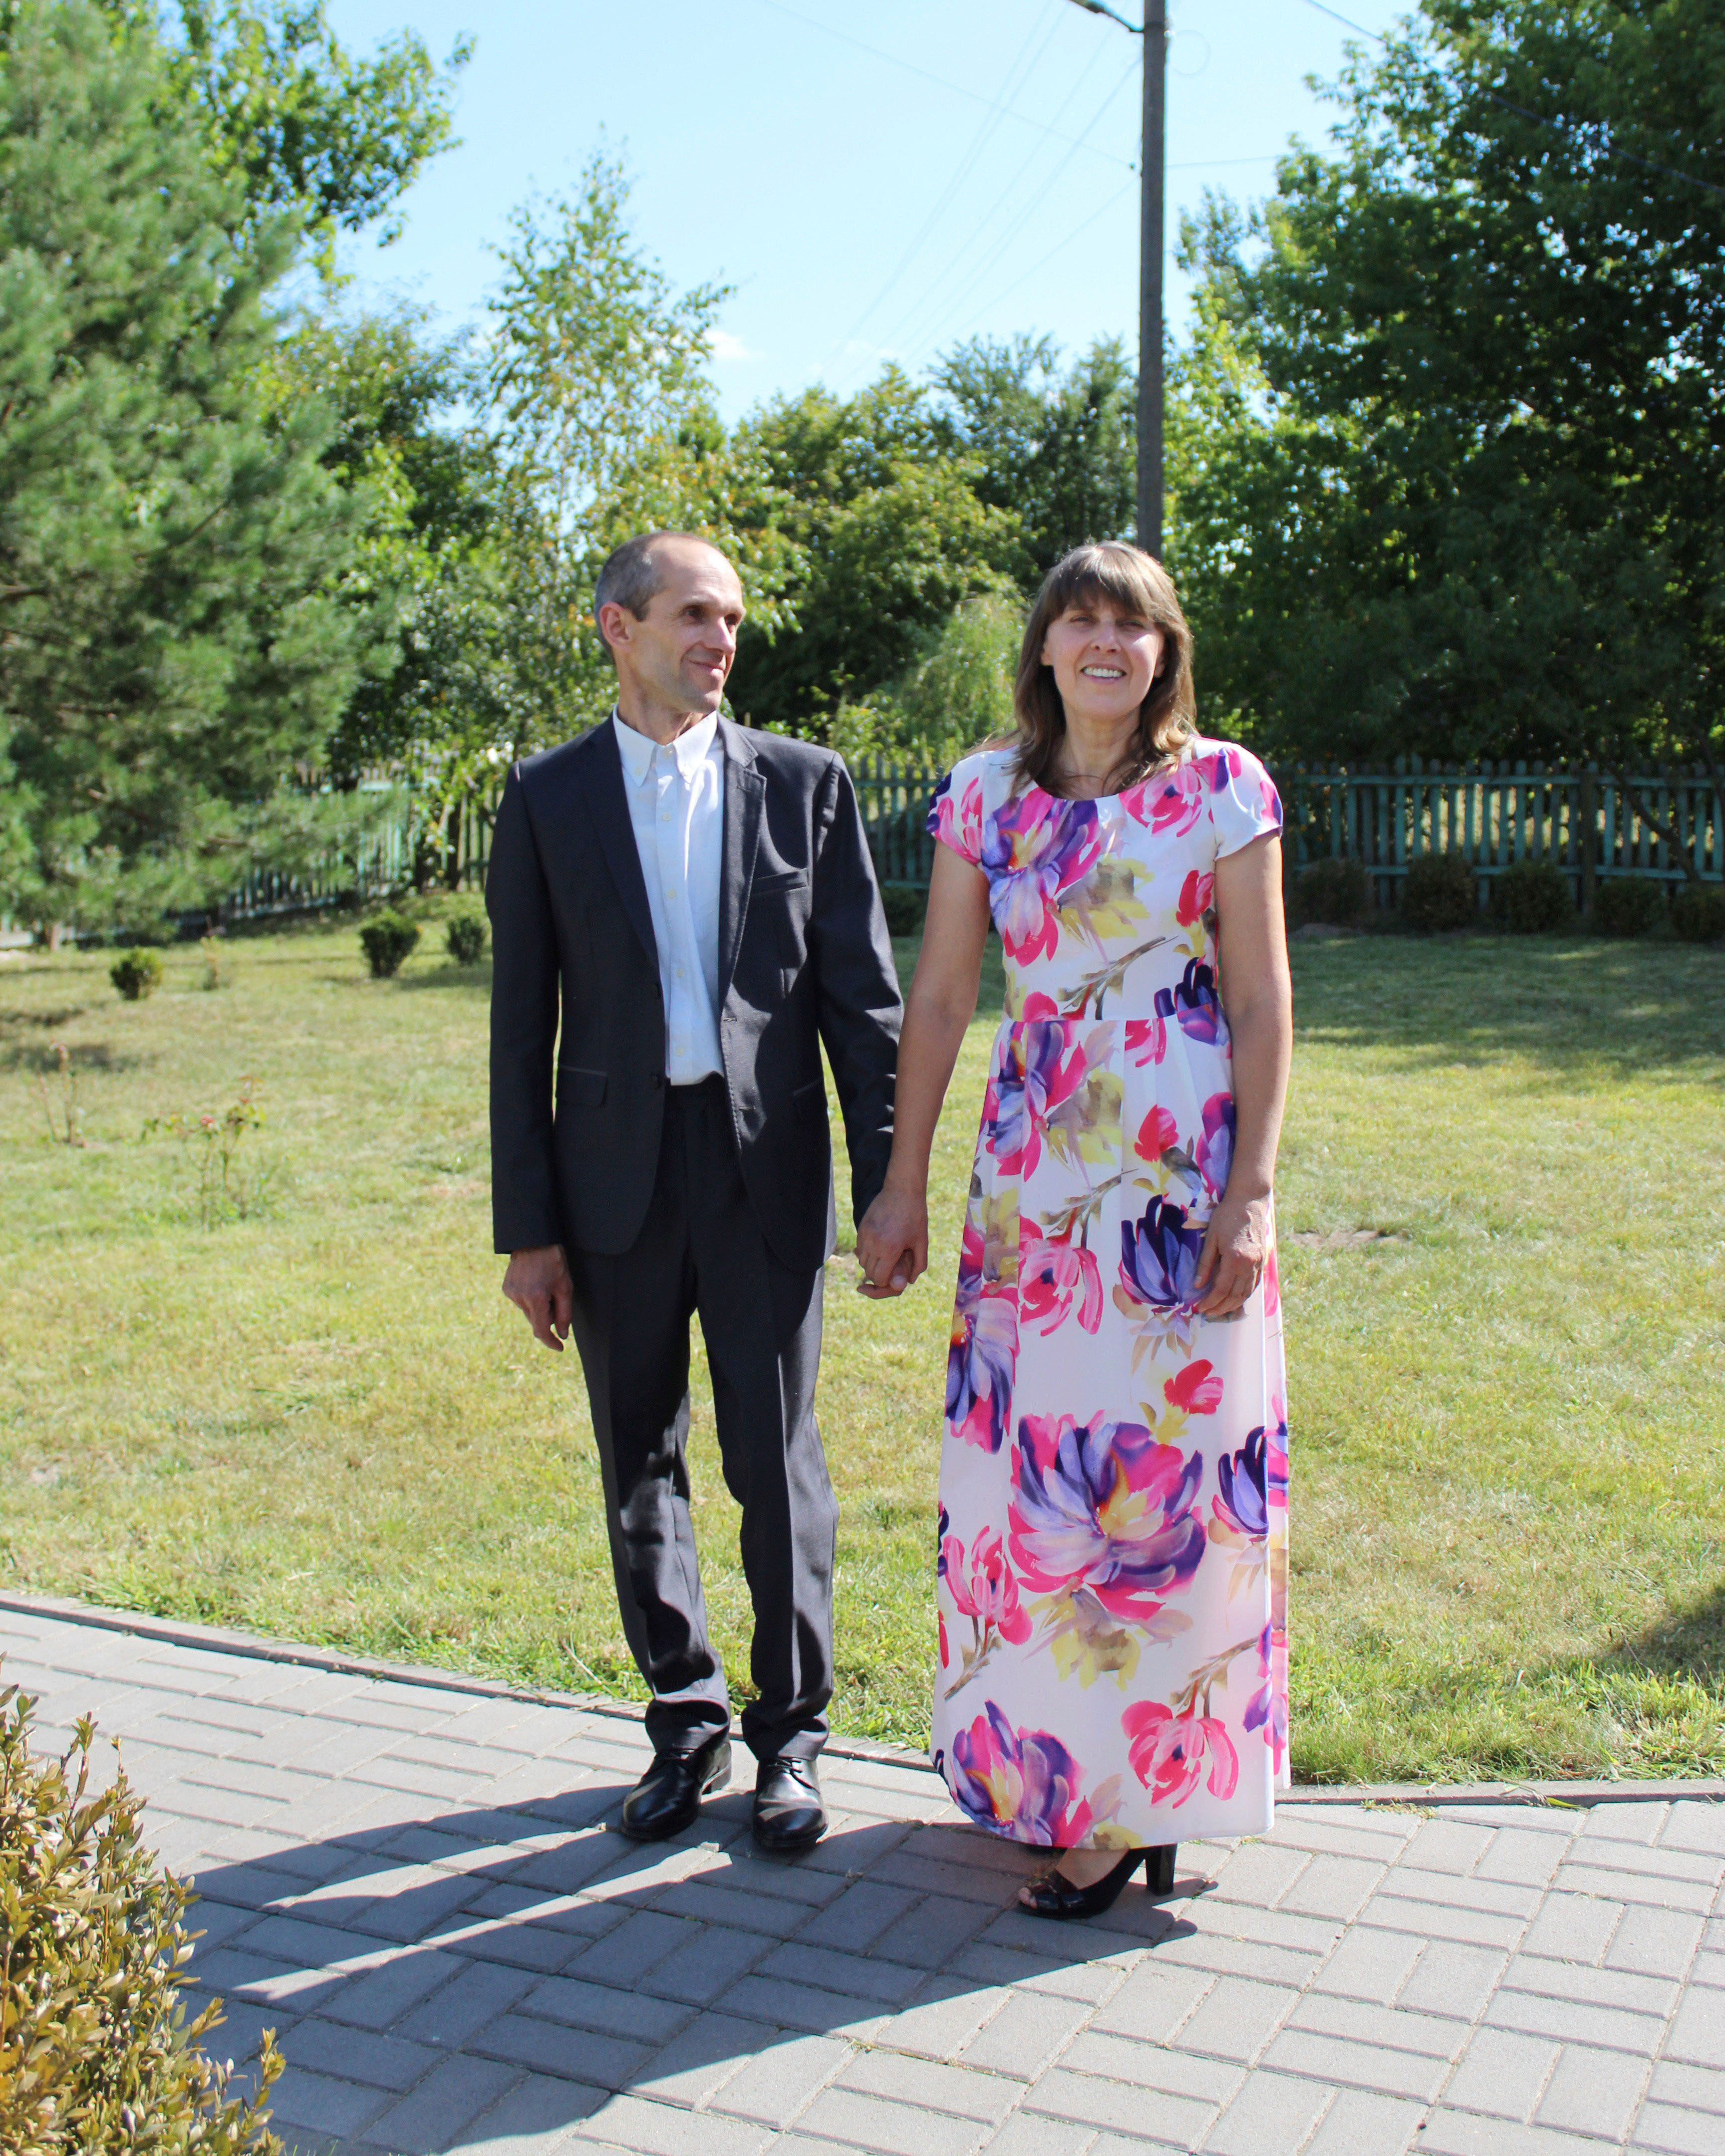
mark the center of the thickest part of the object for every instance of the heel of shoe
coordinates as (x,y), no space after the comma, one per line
(1159,1869)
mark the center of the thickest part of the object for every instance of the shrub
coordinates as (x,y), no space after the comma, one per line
(1332,890)
(1439,893)
(1698,913)
(386,941)
(906,906)
(136,973)
(1532,898)
(96,2055)
(1628,906)
(465,937)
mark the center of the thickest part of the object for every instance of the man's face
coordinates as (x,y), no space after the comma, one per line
(679,653)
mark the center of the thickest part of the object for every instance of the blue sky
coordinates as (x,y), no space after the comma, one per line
(876,181)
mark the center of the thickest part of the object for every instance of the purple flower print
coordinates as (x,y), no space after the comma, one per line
(1039,1068)
(1034,848)
(984,1349)
(1268,1707)
(1243,1504)
(1102,1505)
(1023,1781)
(1159,1260)
(1194,1002)
(957,823)
(1214,1151)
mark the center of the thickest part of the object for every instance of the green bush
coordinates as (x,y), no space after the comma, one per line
(1532,898)
(1698,913)
(386,941)
(464,936)
(136,973)
(1628,906)
(1332,890)
(1439,893)
(905,906)
(96,2054)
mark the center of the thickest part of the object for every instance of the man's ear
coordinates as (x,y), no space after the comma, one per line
(612,623)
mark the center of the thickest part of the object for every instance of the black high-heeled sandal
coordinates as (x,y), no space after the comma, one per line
(1053,1896)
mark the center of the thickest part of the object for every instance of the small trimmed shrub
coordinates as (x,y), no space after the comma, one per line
(96,2053)
(905,906)
(464,936)
(386,941)
(1628,906)
(136,973)
(1532,898)
(1698,913)
(1333,891)
(1439,893)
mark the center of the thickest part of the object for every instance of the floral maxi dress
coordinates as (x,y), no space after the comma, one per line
(1113,1525)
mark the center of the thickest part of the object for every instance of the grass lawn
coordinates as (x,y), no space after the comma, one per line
(1504,1268)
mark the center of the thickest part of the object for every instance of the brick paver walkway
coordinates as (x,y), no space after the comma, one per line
(419,1889)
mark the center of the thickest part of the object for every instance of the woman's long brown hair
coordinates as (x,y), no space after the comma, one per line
(1136,584)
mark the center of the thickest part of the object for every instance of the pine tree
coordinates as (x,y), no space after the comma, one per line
(171,550)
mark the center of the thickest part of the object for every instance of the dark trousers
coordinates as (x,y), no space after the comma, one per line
(700,1251)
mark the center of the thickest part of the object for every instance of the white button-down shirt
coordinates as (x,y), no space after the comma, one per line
(676,804)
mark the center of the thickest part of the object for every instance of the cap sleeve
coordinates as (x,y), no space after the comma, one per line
(1244,804)
(955,815)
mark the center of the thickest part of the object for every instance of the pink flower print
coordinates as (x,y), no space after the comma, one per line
(1197,1390)
(1102,1505)
(1173,804)
(1214,1154)
(1169,1750)
(1146,1040)
(1024,1781)
(1034,848)
(958,824)
(1039,1068)
(1272,1284)
(1157,1134)
(1051,1276)
(1040,1006)
(1196,894)
(1268,1707)
(983,1588)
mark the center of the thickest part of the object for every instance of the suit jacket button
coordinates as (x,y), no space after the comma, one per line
(655,1079)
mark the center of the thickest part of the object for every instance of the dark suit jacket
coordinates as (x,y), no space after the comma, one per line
(804,957)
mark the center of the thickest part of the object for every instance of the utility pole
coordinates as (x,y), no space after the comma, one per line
(1152,217)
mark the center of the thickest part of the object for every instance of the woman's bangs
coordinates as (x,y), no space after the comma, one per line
(1101,575)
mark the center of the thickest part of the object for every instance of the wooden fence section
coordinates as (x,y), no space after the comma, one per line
(1492,815)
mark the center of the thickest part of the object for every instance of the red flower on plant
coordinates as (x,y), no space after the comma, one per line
(1197,1390)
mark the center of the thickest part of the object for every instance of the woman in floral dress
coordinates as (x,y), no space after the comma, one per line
(1113,1507)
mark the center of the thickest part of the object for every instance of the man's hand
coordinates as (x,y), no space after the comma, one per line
(892,1244)
(537,1283)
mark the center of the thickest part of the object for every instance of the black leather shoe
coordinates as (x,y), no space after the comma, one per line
(1053,1894)
(788,1812)
(669,1795)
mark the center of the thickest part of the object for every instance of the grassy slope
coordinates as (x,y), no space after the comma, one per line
(324,1422)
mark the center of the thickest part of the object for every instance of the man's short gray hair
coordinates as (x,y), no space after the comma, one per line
(630,577)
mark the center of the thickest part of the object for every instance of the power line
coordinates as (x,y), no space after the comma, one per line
(1539,118)
(1024,277)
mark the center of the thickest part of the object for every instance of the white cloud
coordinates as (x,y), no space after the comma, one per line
(726,348)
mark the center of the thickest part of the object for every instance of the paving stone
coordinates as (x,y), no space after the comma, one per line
(465,2004)
(1024,2135)
(1694,1896)
(546,1950)
(1122,2109)
(1568,2022)
(1502,2073)
(1094,1981)
(1693,2088)
(1360,2124)
(1522,1857)
(1653,1942)
(1388,1909)
(1392,2026)
(893,2129)
(1574,1927)
(1592,1987)
(1341,2062)
(945,2017)
(323,2104)
(1368,1964)
(583,2006)
(1259,1873)
(1153,2003)
(1172,2071)
(1462,2133)
(699,2060)
(1639,1823)
(385,2063)
(1271,2115)
(1333,1833)
(855,1920)
(1453,1981)
(1027,2032)
(780,2077)
(1594,2091)
(1663,2127)
(1236,2019)
(662,2129)
(1333,1887)
(966,1882)
(1445,1845)
(963,2091)
(929,1935)
(576,2054)
(1697,2036)
(456,2091)
(1695,1826)
(881,1981)
(1690,1866)
(535,2119)
(1228,1954)
(704,1969)
(632,1949)
(768,1915)
(783,2004)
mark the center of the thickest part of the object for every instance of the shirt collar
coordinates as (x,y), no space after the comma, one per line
(690,749)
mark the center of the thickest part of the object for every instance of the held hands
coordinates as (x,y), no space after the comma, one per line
(1237,1248)
(537,1283)
(892,1244)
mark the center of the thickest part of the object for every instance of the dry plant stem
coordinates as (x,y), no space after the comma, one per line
(1505,1404)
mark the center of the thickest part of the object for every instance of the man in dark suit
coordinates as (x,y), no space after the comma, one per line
(696,904)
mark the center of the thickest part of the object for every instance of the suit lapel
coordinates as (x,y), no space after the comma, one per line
(744,791)
(607,804)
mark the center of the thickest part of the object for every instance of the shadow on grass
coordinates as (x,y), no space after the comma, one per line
(1686,1644)
(1568,1002)
(534,1939)
(88,1055)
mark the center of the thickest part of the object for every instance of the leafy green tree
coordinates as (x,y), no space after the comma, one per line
(1057,449)
(1458,394)
(890,537)
(170,549)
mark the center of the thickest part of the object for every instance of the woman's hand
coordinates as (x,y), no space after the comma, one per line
(1237,1248)
(892,1242)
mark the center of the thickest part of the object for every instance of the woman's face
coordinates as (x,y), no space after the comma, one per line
(1104,659)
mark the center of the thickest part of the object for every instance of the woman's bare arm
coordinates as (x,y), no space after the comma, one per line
(1258,1001)
(892,1242)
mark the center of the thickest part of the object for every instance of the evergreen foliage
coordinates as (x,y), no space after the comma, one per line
(1628,906)
(1438,893)
(1698,913)
(136,973)
(1532,898)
